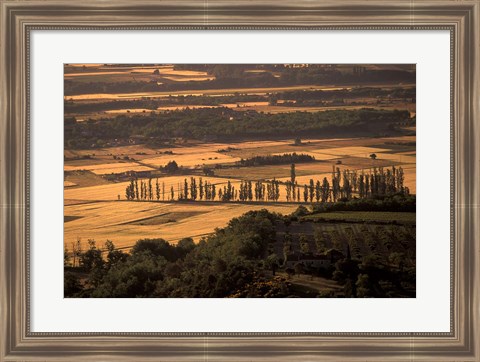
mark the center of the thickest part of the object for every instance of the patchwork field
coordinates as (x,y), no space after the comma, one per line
(99,73)
(193,159)
(107,168)
(163,151)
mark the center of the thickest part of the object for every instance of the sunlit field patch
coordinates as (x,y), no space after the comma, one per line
(69,184)
(397,157)
(121,221)
(352,151)
(191,160)
(107,168)
(131,110)
(188,79)
(112,191)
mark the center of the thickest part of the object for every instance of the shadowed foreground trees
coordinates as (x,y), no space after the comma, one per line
(243,260)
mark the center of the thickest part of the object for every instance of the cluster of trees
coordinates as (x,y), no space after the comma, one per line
(203,190)
(145,191)
(215,123)
(317,75)
(277,159)
(395,203)
(378,182)
(316,97)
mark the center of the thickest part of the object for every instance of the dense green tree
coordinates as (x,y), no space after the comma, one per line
(201,188)
(171,167)
(185,189)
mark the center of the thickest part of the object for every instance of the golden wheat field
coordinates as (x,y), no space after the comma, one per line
(126,222)
(97,73)
(111,191)
(352,151)
(131,110)
(191,159)
(107,168)
(69,184)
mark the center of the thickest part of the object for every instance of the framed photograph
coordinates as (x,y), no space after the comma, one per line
(203,181)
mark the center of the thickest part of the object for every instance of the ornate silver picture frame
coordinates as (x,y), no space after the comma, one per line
(18,18)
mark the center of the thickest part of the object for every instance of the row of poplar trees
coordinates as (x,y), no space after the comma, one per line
(344,185)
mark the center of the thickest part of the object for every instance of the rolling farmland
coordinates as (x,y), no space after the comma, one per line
(201,180)
(103,198)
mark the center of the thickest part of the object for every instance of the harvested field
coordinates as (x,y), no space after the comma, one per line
(80,162)
(255,145)
(85,74)
(69,184)
(166,218)
(111,191)
(108,168)
(75,202)
(121,221)
(84,179)
(131,110)
(242,105)
(114,170)
(183,107)
(188,79)
(352,151)
(317,167)
(192,159)
(288,147)
(354,163)
(401,158)
(402,139)
(183,73)
(109,77)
